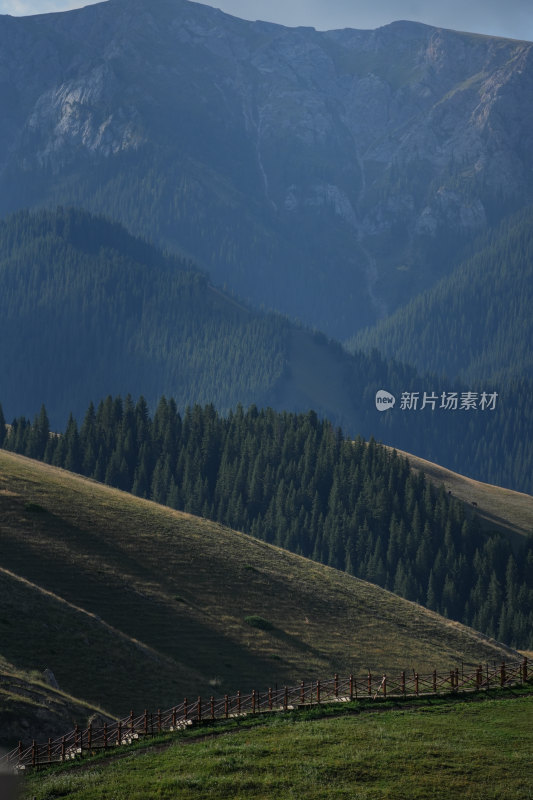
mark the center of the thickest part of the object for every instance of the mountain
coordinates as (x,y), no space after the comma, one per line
(476,323)
(87,310)
(293,481)
(132,604)
(330,175)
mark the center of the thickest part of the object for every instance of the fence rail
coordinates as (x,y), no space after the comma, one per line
(80,742)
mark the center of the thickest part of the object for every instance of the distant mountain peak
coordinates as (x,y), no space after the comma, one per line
(331,175)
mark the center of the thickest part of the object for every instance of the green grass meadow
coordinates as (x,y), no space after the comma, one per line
(440,750)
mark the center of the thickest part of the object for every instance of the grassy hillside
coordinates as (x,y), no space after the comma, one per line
(440,751)
(133,604)
(295,482)
(498,509)
(30,707)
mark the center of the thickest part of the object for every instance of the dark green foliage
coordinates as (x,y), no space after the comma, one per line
(85,308)
(476,323)
(491,446)
(295,481)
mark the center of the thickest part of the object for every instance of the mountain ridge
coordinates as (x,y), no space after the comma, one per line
(354,164)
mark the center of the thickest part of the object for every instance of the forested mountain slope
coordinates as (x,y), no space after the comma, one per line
(331,175)
(497,508)
(87,310)
(477,323)
(293,481)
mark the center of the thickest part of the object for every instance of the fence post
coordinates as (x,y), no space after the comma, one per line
(159,720)
(226,706)
(402,683)
(385,686)
(523,672)
(199,709)
(76,734)
(285,699)
(145,722)
(434,681)
(212,701)
(119,733)
(479,677)
(131,721)
(502,674)
(302,693)
(270,699)
(351,687)
(452,679)
(174,717)
(336,685)
(318,691)
(63,749)
(34,753)
(253,701)
(239,701)
(185,709)
(49,751)
(369,683)
(416,683)
(90,736)
(20,754)
(105,736)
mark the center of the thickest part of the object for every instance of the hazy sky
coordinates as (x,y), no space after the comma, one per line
(512,18)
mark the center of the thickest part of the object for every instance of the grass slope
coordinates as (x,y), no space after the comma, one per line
(439,751)
(499,509)
(31,708)
(133,604)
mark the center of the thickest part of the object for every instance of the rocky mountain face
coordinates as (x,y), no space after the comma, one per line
(332,175)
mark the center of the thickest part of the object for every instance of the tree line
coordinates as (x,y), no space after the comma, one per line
(88,310)
(476,323)
(296,481)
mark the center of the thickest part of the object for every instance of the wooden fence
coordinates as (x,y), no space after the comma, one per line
(88,741)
